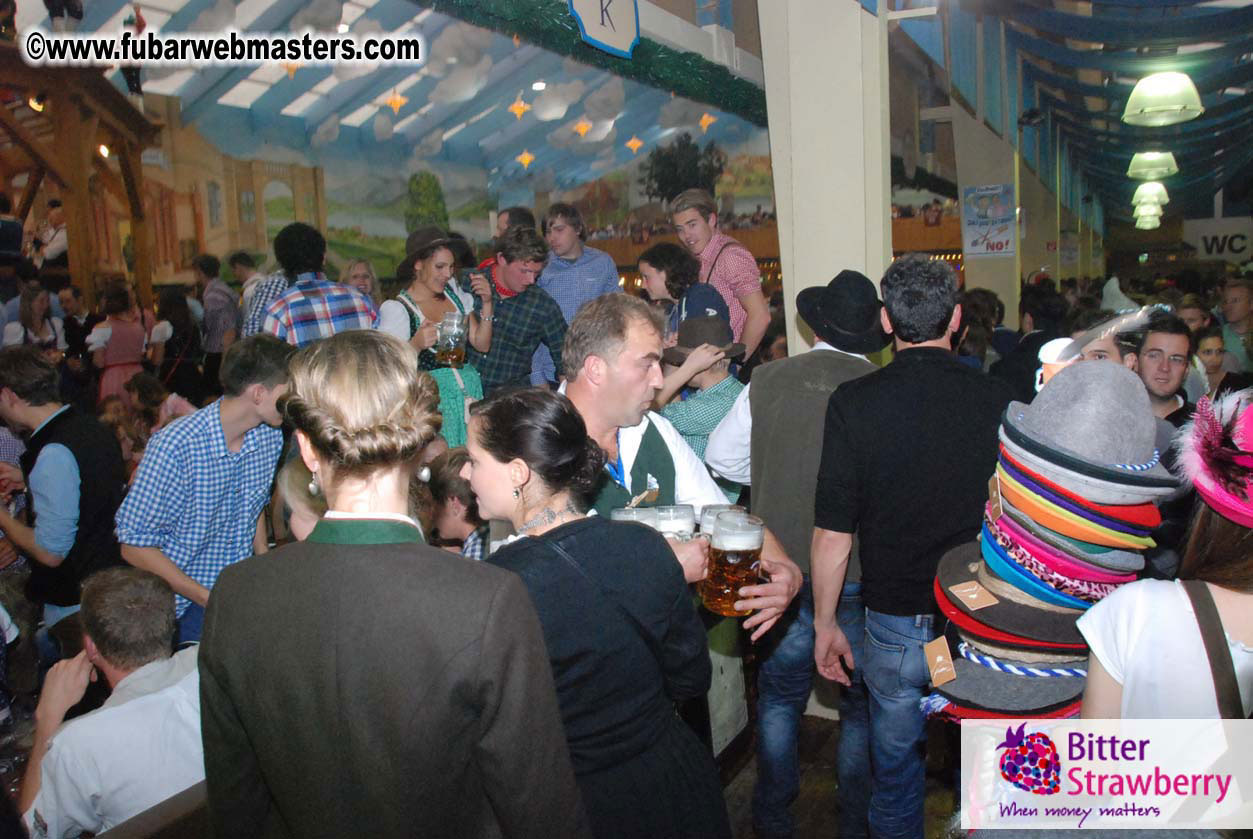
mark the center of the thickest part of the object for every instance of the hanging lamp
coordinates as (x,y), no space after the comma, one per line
(1148,223)
(1151,165)
(1163,99)
(1148,210)
(1151,193)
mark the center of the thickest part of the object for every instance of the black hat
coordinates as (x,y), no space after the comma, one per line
(845,313)
(426,237)
(694,332)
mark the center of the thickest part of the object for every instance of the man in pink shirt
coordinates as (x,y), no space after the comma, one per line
(725,264)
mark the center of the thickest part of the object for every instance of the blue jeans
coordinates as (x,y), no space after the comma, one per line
(191,624)
(897,678)
(783,686)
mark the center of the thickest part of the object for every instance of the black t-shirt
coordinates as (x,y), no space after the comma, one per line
(906,457)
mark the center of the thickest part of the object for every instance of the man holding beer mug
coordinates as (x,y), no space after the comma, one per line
(612,359)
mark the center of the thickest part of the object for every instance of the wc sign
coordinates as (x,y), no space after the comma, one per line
(1228,239)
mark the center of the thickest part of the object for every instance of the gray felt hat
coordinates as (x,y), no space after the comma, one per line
(1086,486)
(1094,419)
(990,684)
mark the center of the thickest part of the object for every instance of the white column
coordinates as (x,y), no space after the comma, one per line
(826,66)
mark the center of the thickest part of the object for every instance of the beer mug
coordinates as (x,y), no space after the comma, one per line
(643,515)
(710,512)
(677,521)
(734,557)
(450,340)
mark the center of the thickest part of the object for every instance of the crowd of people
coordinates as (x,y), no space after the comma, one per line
(279,498)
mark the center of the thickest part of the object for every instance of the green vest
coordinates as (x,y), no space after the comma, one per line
(654,461)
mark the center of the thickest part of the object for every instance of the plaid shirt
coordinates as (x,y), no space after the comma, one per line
(472,547)
(266,292)
(729,267)
(697,416)
(315,308)
(522,323)
(221,313)
(196,500)
(572,284)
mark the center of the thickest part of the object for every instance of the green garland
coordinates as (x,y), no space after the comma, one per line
(549,24)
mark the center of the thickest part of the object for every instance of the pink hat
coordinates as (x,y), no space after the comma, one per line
(1216,451)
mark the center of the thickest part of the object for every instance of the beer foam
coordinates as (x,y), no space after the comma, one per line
(737,541)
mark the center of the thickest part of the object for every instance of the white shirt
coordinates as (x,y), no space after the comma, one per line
(1146,637)
(107,766)
(394,314)
(250,286)
(55,245)
(692,482)
(729,451)
(15,334)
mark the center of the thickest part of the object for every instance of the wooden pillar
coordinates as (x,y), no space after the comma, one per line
(33,182)
(129,157)
(76,131)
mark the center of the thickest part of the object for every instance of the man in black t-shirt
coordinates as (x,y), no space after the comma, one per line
(907,453)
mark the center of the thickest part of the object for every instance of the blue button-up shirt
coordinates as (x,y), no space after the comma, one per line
(196,500)
(571,284)
(55,488)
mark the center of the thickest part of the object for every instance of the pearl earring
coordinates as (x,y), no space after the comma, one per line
(517,493)
(314,489)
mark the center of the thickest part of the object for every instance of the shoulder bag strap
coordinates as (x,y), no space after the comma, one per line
(717,256)
(1226,687)
(631,619)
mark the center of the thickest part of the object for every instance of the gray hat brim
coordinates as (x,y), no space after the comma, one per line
(1016,424)
(1087,486)
(983,689)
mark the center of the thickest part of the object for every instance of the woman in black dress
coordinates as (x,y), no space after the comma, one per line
(179,359)
(622,632)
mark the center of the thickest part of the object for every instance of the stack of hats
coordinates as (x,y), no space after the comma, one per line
(1078,474)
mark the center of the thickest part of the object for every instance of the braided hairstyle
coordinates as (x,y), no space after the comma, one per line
(362,402)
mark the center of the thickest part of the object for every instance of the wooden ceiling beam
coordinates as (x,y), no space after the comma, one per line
(36,150)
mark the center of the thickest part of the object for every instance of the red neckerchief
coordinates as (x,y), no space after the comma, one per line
(489,265)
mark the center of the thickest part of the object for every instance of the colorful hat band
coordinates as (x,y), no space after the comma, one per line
(1053,517)
(1019,655)
(1004,578)
(1054,559)
(1146,515)
(1019,669)
(1069,506)
(1083,590)
(937,704)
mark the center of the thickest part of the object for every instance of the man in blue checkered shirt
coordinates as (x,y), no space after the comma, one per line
(199,494)
(313,307)
(573,275)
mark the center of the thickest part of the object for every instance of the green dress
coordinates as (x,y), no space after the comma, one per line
(456,387)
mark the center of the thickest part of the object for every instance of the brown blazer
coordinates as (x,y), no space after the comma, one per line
(380,690)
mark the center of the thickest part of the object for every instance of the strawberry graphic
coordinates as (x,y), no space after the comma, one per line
(1030,762)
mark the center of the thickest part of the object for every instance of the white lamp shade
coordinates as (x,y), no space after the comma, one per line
(1163,99)
(1151,165)
(1151,210)
(1151,193)
(1148,223)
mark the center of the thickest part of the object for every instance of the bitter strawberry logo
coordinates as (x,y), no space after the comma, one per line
(1030,762)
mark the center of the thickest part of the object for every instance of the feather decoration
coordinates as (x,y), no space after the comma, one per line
(1208,448)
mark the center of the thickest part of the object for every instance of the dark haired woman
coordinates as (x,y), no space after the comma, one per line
(1148,658)
(176,347)
(431,293)
(117,344)
(622,633)
(672,278)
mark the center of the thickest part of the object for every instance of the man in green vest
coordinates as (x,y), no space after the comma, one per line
(612,359)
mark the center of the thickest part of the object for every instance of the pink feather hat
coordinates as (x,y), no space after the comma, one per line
(1216,452)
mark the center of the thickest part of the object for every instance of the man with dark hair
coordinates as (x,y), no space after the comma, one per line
(244,268)
(200,491)
(74,480)
(573,275)
(78,323)
(143,745)
(1041,311)
(221,317)
(907,451)
(514,217)
(525,315)
(1163,358)
(725,264)
(312,307)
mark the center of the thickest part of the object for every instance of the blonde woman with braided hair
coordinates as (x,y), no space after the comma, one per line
(362,682)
